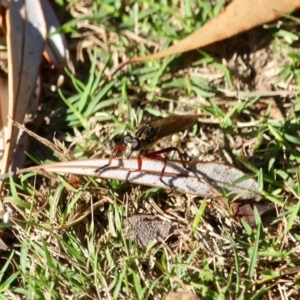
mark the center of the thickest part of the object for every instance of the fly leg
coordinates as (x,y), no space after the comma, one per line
(156,155)
(114,153)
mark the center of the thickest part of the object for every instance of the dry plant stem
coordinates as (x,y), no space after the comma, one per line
(38,170)
(51,146)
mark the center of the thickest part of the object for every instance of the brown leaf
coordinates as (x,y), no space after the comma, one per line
(4,108)
(26,32)
(237,17)
(244,210)
(212,180)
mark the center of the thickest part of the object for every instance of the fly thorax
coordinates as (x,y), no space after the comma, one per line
(146,134)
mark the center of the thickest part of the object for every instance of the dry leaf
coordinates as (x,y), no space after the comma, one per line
(147,228)
(244,210)
(204,179)
(4,109)
(239,16)
(26,32)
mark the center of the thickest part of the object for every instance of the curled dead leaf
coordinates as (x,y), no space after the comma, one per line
(234,19)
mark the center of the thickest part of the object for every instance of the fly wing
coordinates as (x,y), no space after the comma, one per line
(171,125)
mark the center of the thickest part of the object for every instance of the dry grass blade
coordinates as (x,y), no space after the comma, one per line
(57,148)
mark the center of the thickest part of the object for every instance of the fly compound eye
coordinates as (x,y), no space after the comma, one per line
(135,144)
(128,139)
(132,143)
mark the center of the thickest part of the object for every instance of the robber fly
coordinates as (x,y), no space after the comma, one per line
(148,134)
